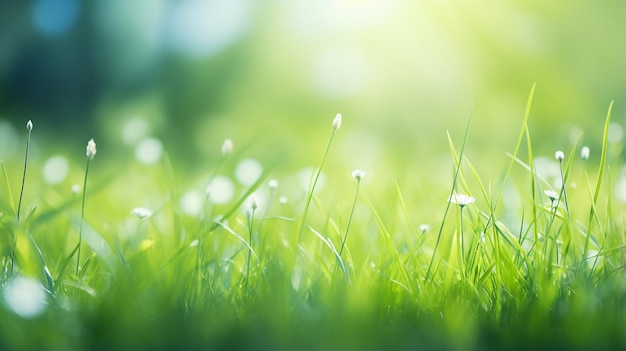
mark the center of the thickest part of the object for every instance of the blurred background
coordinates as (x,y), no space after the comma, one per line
(183,75)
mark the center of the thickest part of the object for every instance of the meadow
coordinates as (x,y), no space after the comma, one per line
(252,256)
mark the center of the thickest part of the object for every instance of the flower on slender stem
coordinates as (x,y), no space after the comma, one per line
(358,174)
(227,147)
(91,149)
(29,128)
(337,122)
(559,155)
(551,194)
(584,153)
(461,199)
(142,212)
(273,184)
(254,202)
(91,152)
(336,126)
(424,228)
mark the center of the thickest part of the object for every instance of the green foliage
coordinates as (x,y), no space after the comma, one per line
(546,274)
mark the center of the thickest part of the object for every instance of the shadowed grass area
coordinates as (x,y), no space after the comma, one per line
(263,271)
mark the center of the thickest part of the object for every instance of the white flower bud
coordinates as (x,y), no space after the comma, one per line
(551,194)
(337,122)
(254,203)
(227,147)
(584,153)
(559,155)
(461,199)
(29,125)
(358,174)
(91,149)
(142,212)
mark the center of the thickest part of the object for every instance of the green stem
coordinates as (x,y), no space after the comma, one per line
(250,227)
(19,203)
(310,195)
(345,236)
(82,216)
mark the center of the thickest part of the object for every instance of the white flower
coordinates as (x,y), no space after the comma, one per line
(142,212)
(358,174)
(337,122)
(559,155)
(584,153)
(461,199)
(273,184)
(29,125)
(282,199)
(91,149)
(552,195)
(75,189)
(254,202)
(424,228)
(227,147)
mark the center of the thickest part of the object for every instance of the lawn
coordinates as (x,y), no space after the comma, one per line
(254,255)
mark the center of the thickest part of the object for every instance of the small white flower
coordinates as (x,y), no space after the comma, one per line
(142,212)
(584,153)
(254,202)
(29,125)
(273,184)
(358,174)
(282,200)
(559,155)
(337,122)
(552,195)
(461,199)
(424,228)
(91,149)
(227,147)
(75,189)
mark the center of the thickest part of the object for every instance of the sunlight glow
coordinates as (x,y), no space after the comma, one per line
(149,151)
(135,129)
(55,17)
(26,297)
(221,190)
(248,171)
(55,169)
(203,28)
(191,203)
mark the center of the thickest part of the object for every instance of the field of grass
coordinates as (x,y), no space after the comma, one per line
(133,259)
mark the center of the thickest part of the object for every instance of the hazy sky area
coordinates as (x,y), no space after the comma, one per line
(402,72)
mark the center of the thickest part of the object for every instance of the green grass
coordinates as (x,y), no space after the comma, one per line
(347,267)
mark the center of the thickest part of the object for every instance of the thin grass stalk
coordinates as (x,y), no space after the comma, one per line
(91,152)
(82,216)
(336,125)
(345,236)
(592,211)
(461,246)
(29,127)
(253,207)
(454,183)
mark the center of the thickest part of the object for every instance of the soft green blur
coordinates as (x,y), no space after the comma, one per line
(274,73)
